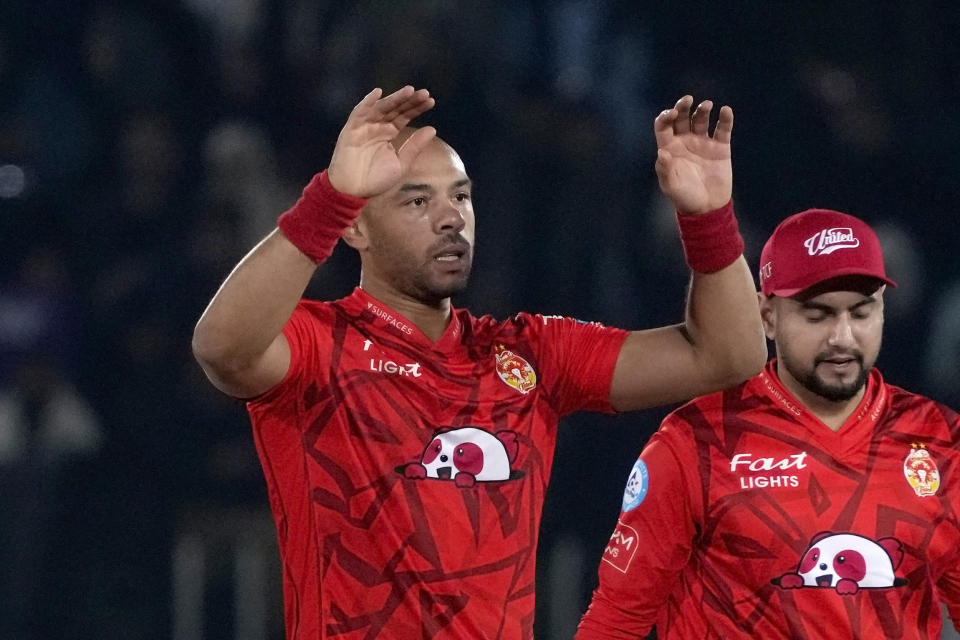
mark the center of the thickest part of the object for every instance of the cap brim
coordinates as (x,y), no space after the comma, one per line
(790,292)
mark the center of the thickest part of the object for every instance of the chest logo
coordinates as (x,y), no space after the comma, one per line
(847,563)
(467,456)
(515,371)
(921,471)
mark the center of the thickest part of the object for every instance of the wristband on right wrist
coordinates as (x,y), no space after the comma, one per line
(711,240)
(315,223)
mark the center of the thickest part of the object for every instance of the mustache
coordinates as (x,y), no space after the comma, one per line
(450,241)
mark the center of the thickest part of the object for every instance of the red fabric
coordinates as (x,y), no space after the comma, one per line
(315,223)
(373,545)
(711,240)
(743,487)
(815,245)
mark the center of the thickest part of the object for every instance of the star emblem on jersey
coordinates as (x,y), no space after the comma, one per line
(921,471)
(515,371)
(466,456)
(846,563)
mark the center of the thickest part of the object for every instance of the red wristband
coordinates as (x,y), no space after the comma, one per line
(319,218)
(712,240)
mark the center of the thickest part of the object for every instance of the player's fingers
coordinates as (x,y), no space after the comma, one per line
(682,123)
(391,104)
(663,126)
(724,128)
(404,112)
(415,144)
(368,101)
(418,104)
(662,165)
(700,121)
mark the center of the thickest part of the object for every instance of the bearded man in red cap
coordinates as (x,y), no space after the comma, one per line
(812,501)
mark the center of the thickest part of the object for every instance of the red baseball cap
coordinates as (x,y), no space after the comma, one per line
(816,245)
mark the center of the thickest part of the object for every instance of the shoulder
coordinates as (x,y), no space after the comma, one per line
(319,310)
(710,410)
(316,307)
(908,404)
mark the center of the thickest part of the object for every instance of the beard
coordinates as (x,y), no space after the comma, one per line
(429,291)
(420,278)
(832,391)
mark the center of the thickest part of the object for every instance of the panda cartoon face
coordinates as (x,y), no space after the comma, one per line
(847,562)
(472,452)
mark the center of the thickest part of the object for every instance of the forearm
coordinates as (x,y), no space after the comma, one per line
(251,307)
(604,620)
(723,323)
(238,340)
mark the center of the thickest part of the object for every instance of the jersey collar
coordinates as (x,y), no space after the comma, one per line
(387,319)
(866,415)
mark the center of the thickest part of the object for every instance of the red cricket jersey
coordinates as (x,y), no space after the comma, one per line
(407,477)
(747,517)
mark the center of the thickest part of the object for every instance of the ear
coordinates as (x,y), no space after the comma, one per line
(356,235)
(768,316)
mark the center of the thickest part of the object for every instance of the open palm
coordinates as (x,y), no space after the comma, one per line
(693,167)
(364,162)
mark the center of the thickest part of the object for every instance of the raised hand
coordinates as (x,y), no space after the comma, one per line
(693,167)
(364,162)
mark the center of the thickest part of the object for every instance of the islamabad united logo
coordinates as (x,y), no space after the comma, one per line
(921,471)
(514,370)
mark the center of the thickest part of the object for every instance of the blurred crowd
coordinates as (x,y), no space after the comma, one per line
(146,146)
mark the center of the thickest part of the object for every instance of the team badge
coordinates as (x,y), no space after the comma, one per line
(921,471)
(515,371)
(636,489)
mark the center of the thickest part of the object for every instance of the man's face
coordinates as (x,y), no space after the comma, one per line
(421,232)
(826,343)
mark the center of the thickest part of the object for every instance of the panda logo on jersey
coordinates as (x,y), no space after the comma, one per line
(846,562)
(467,455)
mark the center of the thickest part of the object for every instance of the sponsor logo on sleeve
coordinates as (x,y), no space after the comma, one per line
(636,489)
(621,547)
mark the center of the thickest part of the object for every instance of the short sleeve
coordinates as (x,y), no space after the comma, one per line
(308,336)
(577,360)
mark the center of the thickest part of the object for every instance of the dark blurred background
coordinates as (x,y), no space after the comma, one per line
(146,146)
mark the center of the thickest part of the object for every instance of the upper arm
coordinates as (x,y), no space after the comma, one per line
(720,344)
(253,378)
(663,366)
(649,548)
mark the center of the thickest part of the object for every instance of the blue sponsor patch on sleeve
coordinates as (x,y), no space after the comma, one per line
(637,485)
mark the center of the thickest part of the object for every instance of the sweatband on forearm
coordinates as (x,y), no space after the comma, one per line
(712,240)
(319,218)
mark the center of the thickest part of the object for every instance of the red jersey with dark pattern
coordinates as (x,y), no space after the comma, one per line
(747,517)
(406,477)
